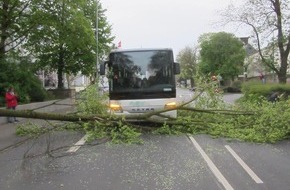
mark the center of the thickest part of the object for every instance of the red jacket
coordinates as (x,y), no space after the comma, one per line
(11,100)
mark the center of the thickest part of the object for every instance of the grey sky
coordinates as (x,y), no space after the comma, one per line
(165,23)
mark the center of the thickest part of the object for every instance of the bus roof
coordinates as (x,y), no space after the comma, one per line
(140,49)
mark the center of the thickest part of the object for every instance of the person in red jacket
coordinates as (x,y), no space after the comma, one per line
(11,103)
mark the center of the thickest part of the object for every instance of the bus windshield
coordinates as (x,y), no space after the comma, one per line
(142,71)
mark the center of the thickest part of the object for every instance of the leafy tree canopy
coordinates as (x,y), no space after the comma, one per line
(14,25)
(221,53)
(65,38)
(21,76)
(188,59)
(269,21)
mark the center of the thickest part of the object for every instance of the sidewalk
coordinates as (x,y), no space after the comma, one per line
(48,106)
(7,130)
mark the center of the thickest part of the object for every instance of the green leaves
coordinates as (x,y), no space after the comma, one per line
(188,60)
(14,25)
(125,134)
(65,37)
(92,101)
(253,119)
(117,134)
(221,53)
(31,130)
(22,78)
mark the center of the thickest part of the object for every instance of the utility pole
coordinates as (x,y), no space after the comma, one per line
(97,40)
(97,27)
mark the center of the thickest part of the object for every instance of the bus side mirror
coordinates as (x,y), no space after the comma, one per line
(103,68)
(176,68)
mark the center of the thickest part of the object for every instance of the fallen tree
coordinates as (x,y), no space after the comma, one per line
(257,121)
(79,117)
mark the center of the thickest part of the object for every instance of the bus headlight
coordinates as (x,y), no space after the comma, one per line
(170,105)
(115,107)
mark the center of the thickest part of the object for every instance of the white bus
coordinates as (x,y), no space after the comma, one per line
(141,80)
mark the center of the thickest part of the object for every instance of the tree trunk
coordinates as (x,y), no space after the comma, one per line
(47,116)
(4,27)
(60,69)
(282,75)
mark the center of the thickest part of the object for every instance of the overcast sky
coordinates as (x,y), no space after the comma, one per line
(165,23)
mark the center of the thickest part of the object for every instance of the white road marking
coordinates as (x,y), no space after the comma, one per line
(76,146)
(212,166)
(244,165)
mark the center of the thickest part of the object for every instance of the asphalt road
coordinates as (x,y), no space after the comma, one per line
(185,95)
(162,162)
